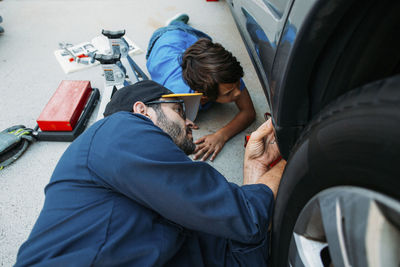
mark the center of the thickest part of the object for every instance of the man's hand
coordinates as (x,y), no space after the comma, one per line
(261,151)
(272,178)
(209,144)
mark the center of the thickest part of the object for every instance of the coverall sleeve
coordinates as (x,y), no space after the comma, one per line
(141,162)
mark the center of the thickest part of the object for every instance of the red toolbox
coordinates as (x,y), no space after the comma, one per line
(64,108)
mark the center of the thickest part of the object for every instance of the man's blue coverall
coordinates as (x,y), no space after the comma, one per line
(123,194)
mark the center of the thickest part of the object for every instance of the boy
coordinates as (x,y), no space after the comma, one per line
(185,60)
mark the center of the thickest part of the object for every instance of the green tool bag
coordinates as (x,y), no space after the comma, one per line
(13,143)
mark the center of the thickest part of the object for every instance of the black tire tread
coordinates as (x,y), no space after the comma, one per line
(311,168)
(371,94)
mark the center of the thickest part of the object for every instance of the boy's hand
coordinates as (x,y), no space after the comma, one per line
(209,144)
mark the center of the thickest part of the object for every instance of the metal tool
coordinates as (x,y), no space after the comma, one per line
(67,51)
(119,68)
(120,46)
(114,71)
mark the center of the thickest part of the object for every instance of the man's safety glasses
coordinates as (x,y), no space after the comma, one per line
(181,112)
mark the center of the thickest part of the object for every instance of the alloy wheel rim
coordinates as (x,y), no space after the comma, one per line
(347,226)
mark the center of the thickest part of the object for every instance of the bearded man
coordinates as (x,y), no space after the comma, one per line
(125,193)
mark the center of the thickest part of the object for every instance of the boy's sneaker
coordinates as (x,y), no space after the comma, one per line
(182,17)
(1,29)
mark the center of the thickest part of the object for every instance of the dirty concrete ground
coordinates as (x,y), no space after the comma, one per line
(29,75)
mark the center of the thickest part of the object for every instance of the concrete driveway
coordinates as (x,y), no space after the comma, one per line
(29,75)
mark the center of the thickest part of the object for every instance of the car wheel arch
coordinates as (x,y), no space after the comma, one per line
(298,92)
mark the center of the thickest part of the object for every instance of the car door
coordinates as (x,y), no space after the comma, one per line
(260,23)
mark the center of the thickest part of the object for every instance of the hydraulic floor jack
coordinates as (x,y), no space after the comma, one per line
(119,68)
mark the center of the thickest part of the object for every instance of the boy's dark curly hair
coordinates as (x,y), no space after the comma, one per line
(206,64)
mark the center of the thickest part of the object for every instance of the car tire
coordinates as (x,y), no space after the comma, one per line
(342,175)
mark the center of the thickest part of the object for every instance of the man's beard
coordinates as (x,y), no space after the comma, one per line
(176,132)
